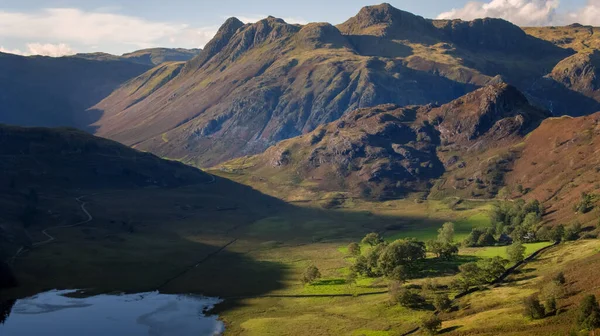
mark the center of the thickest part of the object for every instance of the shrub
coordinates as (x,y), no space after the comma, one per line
(533,308)
(589,313)
(516,252)
(431,324)
(372,239)
(551,305)
(354,249)
(442,303)
(311,274)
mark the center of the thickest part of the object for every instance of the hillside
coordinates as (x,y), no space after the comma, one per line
(388,151)
(558,162)
(151,57)
(257,84)
(47,91)
(42,167)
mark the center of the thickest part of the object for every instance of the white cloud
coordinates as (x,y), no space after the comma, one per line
(43,49)
(588,15)
(77,27)
(255,18)
(519,12)
(49,49)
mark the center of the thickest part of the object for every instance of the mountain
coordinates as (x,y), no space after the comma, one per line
(257,84)
(47,91)
(388,151)
(151,57)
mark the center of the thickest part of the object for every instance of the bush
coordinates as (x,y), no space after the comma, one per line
(442,303)
(431,324)
(551,306)
(533,308)
(354,249)
(372,239)
(589,313)
(516,252)
(586,204)
(311,274)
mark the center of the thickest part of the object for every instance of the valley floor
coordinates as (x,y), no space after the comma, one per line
(253,253)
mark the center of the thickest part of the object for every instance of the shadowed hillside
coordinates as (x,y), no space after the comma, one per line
(46,91)
(257,84)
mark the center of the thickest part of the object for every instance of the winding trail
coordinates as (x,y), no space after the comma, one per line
(52,238)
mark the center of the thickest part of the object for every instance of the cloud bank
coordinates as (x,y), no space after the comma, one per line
(61,27)
(527,12)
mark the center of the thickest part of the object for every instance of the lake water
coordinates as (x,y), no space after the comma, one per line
(146,314)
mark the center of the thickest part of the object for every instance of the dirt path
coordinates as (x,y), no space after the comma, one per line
(52,238)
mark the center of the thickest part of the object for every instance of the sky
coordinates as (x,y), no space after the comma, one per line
(64,27)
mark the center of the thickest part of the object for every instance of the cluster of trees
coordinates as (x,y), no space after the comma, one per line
(520,221)
(396,260)
(443,247)
(586,204)
(479,273)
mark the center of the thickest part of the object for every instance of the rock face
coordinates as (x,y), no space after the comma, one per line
(581,73)
(388,151)
(257,84)
(485,116)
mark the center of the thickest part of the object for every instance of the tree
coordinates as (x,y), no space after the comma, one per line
(572,232)
(557,233)
(516,252)
(551,305)
(360,266)
(399,274)
(533,308)
(442,303)
(372,239)
(446,233)
(407,298)
(402,252)
(431,324)
(442,250)
(311,274)
(589,313)
(482,272)
(560,278)
(586,204)
(354,249)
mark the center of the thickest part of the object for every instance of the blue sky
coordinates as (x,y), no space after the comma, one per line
(56,27)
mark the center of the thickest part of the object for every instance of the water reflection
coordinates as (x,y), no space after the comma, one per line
(152,314)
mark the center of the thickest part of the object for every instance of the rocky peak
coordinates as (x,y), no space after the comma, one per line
(580,72)
(318,35)
(386,20)
(496,111)
(214,46)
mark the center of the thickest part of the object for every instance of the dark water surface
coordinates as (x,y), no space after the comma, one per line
(146,314)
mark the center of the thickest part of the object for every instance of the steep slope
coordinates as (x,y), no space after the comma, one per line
(46,91)
(388,151)
(151,57)
(257,84)
(557,163)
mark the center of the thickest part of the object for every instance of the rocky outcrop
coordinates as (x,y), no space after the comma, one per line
(388,151)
